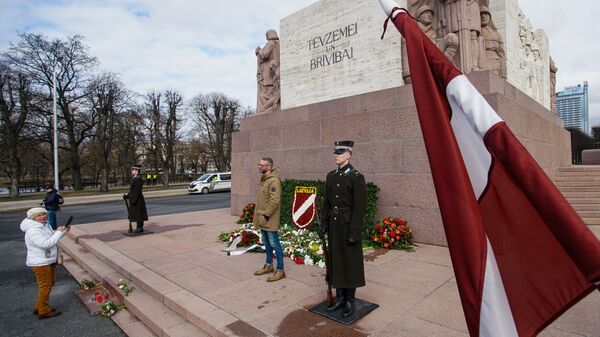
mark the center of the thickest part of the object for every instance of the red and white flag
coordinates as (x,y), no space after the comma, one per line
(520,253)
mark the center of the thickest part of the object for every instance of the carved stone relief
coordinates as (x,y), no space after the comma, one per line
(448,43)
(493,57)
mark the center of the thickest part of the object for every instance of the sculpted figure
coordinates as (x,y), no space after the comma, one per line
(529,70)
(463,17)
(267,74)
(553,71)
(494,57)
(447,44)
(538,70)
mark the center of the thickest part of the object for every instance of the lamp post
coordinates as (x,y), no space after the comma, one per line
(55,117)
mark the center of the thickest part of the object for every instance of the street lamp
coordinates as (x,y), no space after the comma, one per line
(55,116)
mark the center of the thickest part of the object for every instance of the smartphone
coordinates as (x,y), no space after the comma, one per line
(68,224)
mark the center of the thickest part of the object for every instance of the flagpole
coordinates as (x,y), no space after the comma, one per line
(55,117)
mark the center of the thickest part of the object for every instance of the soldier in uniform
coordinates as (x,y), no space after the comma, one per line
(344,211)
(137,204)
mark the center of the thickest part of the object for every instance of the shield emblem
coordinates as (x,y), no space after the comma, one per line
(304,207)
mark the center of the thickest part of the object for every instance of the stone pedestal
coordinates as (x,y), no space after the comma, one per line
(388,150)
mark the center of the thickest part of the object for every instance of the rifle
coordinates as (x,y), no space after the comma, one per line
(326,256)
(127,205)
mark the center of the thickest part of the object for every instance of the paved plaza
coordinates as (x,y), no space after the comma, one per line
(186,286)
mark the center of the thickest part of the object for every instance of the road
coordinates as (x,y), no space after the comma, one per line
(18,289)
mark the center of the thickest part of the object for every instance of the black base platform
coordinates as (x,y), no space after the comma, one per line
(137,234)
(361,309)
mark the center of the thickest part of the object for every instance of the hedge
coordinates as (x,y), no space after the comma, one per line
(287,197)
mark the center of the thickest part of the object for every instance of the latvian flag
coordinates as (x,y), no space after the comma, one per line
(520,253)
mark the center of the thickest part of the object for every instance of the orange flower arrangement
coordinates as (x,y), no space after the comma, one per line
(392,234)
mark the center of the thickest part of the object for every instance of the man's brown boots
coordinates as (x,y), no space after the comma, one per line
(267,268)
(279,274)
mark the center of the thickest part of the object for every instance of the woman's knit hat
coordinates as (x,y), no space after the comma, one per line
(35,211)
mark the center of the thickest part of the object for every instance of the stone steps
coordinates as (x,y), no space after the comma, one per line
(580,168)
(566,189)
(577,183)
(582,194)
(583,201)
(580,185)
(150,310)
(578,176)
(585,207)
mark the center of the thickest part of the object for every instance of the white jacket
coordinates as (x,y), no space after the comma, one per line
(41,242)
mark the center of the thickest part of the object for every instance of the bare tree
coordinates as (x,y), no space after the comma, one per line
(152,121)
(127,139)
(174,100)
(194,155)
(161,124)
(108,97)
(39,57)
(15,100)
(217,116)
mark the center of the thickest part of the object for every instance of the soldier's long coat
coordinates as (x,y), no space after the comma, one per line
(137,204)
(345,189)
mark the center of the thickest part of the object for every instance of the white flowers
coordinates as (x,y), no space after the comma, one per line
(321,264)
(308,260)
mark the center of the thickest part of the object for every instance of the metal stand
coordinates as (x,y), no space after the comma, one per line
(361,309)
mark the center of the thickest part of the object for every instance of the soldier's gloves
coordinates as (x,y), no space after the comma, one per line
(351,242)
(42,204)
(125,196)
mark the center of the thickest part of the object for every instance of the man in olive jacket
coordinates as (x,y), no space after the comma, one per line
(266,217)
(344,211)
(137,204)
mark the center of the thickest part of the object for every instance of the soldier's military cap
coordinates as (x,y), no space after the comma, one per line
(136,167)
(343,146)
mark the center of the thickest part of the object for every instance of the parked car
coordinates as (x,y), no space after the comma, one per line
(210,182)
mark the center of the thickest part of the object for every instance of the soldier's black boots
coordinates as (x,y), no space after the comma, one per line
(339,300)
(348,308)
(140,228)
(349,303)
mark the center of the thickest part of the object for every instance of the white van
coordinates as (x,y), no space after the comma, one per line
(210,182)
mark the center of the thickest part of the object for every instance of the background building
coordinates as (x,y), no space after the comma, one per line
(572,107)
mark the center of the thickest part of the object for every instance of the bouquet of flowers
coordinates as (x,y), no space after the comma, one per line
(247,214)
(87,284)
(249,234)
(302,245)
(392,234)
(108,308)
(124,287)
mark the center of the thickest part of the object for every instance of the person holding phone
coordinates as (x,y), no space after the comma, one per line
(42,252)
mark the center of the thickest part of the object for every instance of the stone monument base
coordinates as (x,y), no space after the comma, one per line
(388,146)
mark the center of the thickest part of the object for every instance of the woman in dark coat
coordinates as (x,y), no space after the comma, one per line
(137,204)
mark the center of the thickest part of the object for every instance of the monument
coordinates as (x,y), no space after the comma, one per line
(339,80)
